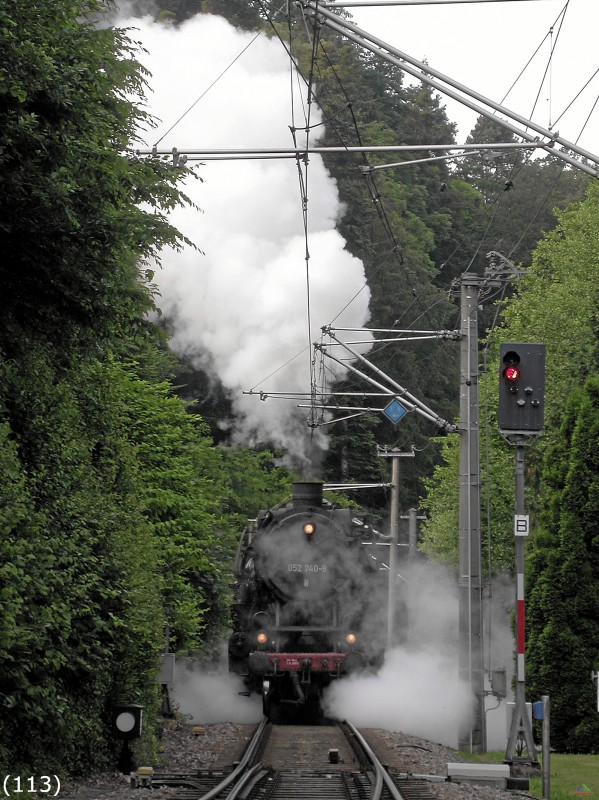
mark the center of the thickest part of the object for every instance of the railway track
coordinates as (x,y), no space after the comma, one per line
(284,762)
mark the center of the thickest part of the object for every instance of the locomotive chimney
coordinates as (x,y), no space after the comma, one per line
(307,494)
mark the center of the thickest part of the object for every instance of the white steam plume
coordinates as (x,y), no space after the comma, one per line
(240,310)
(213,696)
(417,690)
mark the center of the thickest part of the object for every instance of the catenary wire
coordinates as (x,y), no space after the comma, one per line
(205,92)
(373,189)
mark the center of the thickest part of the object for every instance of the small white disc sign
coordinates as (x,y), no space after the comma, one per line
(125,722)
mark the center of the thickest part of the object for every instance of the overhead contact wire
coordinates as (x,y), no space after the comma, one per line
(205,92)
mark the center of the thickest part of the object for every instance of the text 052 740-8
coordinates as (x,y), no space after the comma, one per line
(307,568)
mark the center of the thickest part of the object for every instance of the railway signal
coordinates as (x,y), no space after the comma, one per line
(521,405)
(521,388)
(127,723)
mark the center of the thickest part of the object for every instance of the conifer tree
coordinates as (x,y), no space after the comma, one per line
(563,569)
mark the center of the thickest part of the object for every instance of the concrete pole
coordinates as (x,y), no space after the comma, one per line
(472,738)
(394,532)
(394,455)
(546,746)
(412,533)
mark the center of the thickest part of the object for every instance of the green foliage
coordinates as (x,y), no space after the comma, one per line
(78,209)
(243,13)
(356,436)
(520,194)
(564,579)
(117,514)
(255,482)
(556,304)
(81,619)
(182,497)
(83,569)
(440,529)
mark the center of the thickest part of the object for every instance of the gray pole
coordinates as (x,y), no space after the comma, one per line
(394,455)
(472,738)
(520,737)
(412,533)
(546,746)
(393,549)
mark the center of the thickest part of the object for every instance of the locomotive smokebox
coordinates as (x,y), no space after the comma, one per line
(307,493)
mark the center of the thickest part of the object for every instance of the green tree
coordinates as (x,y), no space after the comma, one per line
(81,618)
(440,529)
(79,210)
(563,573)
(182,496)
(255,481)
(556,303)
(521,194)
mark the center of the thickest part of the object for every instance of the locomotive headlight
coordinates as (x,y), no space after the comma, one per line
(351,638)
(309,528)
(262,637)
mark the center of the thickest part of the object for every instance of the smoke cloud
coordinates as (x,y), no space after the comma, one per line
(239,312)
(213,696)
(417,690)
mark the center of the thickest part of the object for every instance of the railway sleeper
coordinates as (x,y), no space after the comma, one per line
(191,785)
(291,785)
(412,788)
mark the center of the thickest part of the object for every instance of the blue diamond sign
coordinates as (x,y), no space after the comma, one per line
(395,411)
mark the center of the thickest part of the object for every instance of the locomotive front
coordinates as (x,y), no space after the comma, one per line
(298,611)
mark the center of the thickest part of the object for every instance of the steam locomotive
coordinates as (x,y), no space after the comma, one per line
(306,604)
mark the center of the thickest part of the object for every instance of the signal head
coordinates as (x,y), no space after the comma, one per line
(521,388)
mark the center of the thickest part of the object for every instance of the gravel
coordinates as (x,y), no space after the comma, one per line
(187,748)
(416,756)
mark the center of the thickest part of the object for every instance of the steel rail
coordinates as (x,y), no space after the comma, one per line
(242,771)
(243,780)
(381,775)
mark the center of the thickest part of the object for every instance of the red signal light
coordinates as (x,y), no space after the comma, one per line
(511,373)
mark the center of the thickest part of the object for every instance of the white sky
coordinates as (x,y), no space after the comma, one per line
(485,46)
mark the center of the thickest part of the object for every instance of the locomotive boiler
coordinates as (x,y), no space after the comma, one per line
(304,607)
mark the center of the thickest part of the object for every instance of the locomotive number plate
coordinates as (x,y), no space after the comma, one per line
(307,568)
